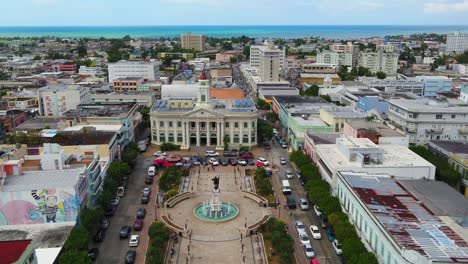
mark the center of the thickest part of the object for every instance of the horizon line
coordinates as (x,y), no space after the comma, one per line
(233,25)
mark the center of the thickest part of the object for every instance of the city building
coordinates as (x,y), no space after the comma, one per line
(460,68)
(148,70)
(301,124)
(228,56)
(397,226)
(369,103)
(319,68)
(336,58)
(269,63)
(226,93)
(432,85)
(429,119)
(311,140)
(320,79)
(113,97)
(16,102)
(192,41)
(378,133)
(57,99)
(362,155)
(127,84)
(457,42)
(90,71)
(187,91)
(456,153)
(255,52)
(390,86)
(61,67)
(464,93)
(336,116)
(204,121)
(382,60)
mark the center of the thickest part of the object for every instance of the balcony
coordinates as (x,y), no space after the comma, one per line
(435,131)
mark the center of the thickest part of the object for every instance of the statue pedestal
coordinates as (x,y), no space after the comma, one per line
(215,203)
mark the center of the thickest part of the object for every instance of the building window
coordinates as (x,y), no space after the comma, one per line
(438,116)
(236,138)
(245,138)
(171,137)
(179,124)
(161,124)
(226,124)
(162,137)
(179,138)
(170,123)
(253,124)
(252,139)
(203,124)
(245,124)
(213,124)
(192,124)
(453,116)
(236,125)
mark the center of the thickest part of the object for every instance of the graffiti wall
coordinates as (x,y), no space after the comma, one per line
(38,206)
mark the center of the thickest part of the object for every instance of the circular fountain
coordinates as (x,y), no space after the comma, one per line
(215,210)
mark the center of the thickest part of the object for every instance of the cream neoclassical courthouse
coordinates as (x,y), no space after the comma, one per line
(204,122)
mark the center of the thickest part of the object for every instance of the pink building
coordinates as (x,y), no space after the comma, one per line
(225,57)
(311,140)
(376,132)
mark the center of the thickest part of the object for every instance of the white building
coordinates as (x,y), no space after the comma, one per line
(204,121)
(383,59)
(460,68)
(141,69)
(435,84)
(464,93)
(362,155)
(337,58)
(269,64)
(457,42)
(268,45)
(181,91)
(90,71)
(193,41)
(429,119)
(398,227)
(57,99)
(392,86)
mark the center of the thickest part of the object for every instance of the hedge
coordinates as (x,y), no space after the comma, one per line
(275,229)
(159,236)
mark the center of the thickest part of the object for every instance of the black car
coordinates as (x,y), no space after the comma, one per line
(93,253)
(130,257)
(203,161)
(232,161)
(104,223)
(250,162)
(222,162)
(110,210)
(125,231)
(229,154)
(145,199)
(141,213)
(99,235)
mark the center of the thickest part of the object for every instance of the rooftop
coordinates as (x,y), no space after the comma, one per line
(295,99)
(373,128)
(71,138)
(128,79)
(11,251)
(430,105)
(101,110)
(227,93)
(42,235)
(236,105)
(410,223)
(114,128)
(326,138)
(456,147)
(40,122)
(343,112)
(60,87)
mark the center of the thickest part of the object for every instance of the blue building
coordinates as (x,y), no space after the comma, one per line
(435,84)
(367,103)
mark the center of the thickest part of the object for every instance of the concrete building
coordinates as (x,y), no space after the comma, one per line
(319,68)
(336,58)
(320,79)
(369,103)
(457,42)
(311,140)
(398,227)
(391,86)
(456,153)
(269,64)
(460,68)
(227,56)
(362,155)
(204,121)
(435,84)
(267,46)
(57,99)
(336,116)
(376,132)
(148,70)
(127,84)
(380,61)
(287,106)
(111,97)
(90,71)
(429,119)
(464,93)
(192,41)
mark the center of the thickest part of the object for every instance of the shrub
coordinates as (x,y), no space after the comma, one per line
(262,182)
(171,177)
(159,236)
(167,146)
(171,192)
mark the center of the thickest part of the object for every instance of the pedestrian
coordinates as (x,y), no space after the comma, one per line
(208,168)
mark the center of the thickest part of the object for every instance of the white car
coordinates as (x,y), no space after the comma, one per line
(159,154)
(300,227)
(134,239)
(242,162)
(264,161)
(315,231)
(146,191)
(309,251)
(214,161)
(304,238)
(337,247)
(284,145)
(289,174)
(317,211)
(211,153)
(304,204)
(115,201)
(275,131)
(282,161)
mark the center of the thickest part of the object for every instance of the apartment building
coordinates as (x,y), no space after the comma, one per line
(193,41)
(391,86)
(148,70)
(429,119)
(319,68)
(269,64)
(57,99)
(384,59)
(337,58)
(268,45)
(457,42)
(127,84)
(90,71)
(435,84)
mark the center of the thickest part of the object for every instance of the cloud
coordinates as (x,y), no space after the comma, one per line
(445,6)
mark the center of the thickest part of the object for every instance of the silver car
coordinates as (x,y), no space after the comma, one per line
(304,204)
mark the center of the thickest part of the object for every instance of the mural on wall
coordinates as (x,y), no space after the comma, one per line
(38,206)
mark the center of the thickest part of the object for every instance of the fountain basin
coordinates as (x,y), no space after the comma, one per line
(233,212)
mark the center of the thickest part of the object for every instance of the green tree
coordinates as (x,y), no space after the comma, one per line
(264,131)
(262,104)
(311,91)
(118,169)
(4,75)
(227,45)
(226,141)
(74,256)
(246,51)
(77,240)
(127,38)
(89,218)
(146,117)
(381,75)
(81,49)
(272,117)
(170,178)
(37,57)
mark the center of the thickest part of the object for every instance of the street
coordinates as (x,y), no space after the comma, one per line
(323,249)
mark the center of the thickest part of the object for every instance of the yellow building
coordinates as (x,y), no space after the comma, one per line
(336,116)
(319,78)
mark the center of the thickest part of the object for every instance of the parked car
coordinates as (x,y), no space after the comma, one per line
(267,145)
(134,239)
(242,162)
(337,247)
(222,162)
(99,235)
(284,145)
(250,162)
(196,161)
(315,231)
(121,191)
(299,226)
(213,161)
(291,202)
(125,231)
(309,251)
(232,161)
(304,238)
(145,199)
(330,234)
(246,156)
(229,154)
(317,210)
(149,180)
(146,191)
(159,154)
(211,153)
(104,223)
(93,253)
(203,161)
(324,222)
(275,131)
(138,225)
(264,161)
(282,161)
(289,174)
(304,204)
(141,213)
(115,201)
(130,257)
(110,210)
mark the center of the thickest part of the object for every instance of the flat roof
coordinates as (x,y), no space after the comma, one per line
(325,138)
(40,122)
(409,221)
(343,112)
(11,251)
(293,99)
(216,93)
(218,105)
(430,105)
(38,180)
(373,127)
(101,110)
(456,147)
(97,127)
(47,255)
(45,235)
(71,138)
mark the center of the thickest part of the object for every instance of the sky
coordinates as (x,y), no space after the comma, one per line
(232,12)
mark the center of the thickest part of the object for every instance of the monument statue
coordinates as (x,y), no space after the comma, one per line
(216,182)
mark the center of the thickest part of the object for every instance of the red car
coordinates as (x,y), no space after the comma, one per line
(138,225)
(267,146)
(246,156)
(233,162)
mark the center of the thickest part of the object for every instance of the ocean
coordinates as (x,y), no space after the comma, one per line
(258,32)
